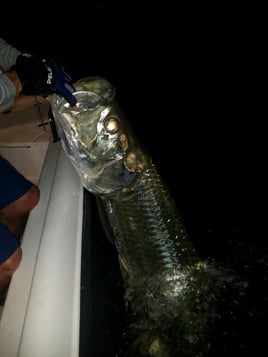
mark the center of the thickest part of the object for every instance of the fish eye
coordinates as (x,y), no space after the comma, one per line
(111,125)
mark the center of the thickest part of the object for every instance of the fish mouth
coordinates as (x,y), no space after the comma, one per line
(85,100)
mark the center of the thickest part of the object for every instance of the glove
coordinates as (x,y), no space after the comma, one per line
(43,77)
(62,82)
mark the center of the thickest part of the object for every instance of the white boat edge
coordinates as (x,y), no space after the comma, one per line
(41,313)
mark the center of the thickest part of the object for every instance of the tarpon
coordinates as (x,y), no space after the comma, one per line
(167,287)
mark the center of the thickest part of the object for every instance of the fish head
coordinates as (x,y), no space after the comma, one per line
(96,137)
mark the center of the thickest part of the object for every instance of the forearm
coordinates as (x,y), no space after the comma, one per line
(35,77)
(10,87)
(8,55)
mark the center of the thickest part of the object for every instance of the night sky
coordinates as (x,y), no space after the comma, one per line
(186,79)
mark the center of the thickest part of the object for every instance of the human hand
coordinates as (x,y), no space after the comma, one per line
(42,77)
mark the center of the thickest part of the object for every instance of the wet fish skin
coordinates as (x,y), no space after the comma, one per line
(166,283)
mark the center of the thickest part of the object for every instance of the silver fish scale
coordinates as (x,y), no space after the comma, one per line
(148,229)
(166,285)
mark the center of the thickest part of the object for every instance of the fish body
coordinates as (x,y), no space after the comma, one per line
(165,281)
